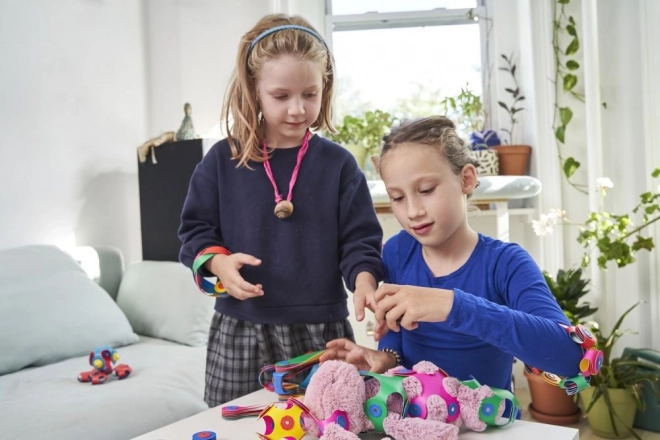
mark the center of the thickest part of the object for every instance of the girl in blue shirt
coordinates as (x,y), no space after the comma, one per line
(464,301)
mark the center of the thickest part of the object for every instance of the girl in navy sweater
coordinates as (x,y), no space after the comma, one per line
(277,218)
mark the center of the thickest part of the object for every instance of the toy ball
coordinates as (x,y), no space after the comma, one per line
(204,435)
(283,423)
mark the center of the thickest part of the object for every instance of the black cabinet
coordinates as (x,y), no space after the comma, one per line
(163,189)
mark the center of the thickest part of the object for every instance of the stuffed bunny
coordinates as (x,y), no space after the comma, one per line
(429,405)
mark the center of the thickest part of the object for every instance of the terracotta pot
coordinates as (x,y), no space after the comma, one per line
(599,415)
(550,404)
(513,159)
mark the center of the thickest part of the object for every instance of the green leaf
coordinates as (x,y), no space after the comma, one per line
(570,166)
(563,2)
(571,30)
(560,132)
(570,81)
(573,47)
(503,105)
(656,172)
(572,65)
(565,114)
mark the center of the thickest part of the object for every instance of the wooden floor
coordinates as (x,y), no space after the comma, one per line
(585,432)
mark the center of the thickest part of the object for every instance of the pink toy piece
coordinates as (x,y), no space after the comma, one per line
(416,429)
(432,385)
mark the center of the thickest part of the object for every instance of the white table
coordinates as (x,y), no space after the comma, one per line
(493,190)
(245,429)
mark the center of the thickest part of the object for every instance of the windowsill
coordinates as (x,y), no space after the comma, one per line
(490,189)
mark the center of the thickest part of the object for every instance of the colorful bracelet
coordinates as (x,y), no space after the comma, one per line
(590,364)
(397,356)
(205,286)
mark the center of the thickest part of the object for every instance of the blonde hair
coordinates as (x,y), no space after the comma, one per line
(438,132)
(246,133)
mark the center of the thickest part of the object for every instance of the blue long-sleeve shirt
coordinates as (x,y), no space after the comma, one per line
(502,309)
(332,233)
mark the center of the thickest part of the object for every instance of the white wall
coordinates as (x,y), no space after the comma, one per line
(72,107)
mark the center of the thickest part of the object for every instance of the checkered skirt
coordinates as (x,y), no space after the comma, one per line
(237,350)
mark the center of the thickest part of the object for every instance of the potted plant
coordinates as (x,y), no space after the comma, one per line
(513,158)
(467,110)
(616,393)
(549,403)
(363,135)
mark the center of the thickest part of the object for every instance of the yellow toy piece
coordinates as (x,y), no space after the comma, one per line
(283,423)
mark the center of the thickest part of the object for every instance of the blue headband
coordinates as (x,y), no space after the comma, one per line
(266,33)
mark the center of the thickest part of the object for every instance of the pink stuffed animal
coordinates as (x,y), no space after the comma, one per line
(444,402)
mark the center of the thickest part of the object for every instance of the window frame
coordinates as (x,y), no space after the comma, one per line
(433,17)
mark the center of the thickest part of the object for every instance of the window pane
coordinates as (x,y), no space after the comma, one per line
(405,71)
(341,7)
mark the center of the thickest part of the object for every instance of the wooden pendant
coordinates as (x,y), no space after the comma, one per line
(284,209)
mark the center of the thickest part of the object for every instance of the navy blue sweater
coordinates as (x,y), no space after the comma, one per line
(333,231)
(502,309)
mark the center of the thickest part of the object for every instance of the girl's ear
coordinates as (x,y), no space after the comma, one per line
(469,180)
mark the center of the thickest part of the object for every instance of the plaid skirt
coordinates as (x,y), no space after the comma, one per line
(237,350)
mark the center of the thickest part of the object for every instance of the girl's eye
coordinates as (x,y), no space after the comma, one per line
(427,191)
(280,96)
(396,199)
(310,95)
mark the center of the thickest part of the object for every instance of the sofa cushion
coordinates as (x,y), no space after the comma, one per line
(161,300)
(52,311)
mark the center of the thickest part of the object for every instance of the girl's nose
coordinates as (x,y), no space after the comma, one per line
(415,209)
(296,107)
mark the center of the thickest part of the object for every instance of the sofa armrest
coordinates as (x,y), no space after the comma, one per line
(111,265)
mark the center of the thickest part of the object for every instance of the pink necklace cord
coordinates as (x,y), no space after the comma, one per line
(294,176)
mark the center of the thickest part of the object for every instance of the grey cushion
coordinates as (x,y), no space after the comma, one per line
(52,311)
(161,300)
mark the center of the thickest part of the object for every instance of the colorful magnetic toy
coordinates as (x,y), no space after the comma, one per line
(283,423)
(284,371)
(488,411)
(102,359)
(589,365)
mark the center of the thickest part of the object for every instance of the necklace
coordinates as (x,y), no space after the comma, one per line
(284,208)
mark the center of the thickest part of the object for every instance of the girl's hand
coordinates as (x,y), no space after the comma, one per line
(363,358)
(226,268)
(407,305)
(363,295)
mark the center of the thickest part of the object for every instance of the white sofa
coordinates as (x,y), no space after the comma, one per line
(52,315)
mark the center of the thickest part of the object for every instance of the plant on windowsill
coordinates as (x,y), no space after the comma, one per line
(513,158)
(549,403)
(467,110)
(362,136)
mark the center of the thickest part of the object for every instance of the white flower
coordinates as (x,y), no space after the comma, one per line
(559,213)
(545,225)
(603,184)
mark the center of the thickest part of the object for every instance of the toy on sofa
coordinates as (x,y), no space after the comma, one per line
(368,408)
(102,359)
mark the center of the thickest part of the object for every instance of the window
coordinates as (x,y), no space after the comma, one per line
(404,57)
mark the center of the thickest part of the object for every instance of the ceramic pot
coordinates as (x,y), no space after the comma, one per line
(489,164)
(599,415)
(550,404)
(514,159)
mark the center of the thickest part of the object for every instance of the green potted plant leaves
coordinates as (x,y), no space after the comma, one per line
(616,393)
(513,158)
(467,111)
(362,135)
(549,403)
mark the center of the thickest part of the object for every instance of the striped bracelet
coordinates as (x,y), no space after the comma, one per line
(205,286)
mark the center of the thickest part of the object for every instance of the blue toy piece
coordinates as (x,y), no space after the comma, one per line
(102,359)
(204,435)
